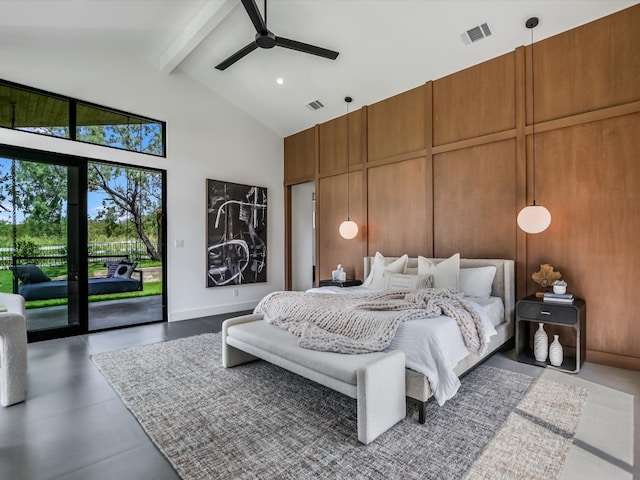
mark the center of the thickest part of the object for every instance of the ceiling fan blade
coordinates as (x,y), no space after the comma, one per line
(306,48)
(237,56)
(254,14)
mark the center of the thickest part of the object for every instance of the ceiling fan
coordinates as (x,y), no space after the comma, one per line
(266,39)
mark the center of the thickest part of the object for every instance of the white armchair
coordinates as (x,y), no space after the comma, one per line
(13,350)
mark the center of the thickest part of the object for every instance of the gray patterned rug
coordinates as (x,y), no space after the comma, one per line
(259,421)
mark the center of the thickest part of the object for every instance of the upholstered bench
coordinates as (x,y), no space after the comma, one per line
(376,380)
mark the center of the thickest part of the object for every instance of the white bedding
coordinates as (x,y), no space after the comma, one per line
(434,346)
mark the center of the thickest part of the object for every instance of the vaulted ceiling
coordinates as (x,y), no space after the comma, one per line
(385,46)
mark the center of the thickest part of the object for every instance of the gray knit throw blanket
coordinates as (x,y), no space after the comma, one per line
(362,323)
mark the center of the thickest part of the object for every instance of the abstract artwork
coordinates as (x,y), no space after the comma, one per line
(236,234)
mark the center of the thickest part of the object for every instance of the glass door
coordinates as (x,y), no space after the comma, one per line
(125,274)
(42,217)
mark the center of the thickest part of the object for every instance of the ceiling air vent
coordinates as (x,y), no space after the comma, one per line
(315,105)
(476,33)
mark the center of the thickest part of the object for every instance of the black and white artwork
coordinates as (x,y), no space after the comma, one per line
(236,234)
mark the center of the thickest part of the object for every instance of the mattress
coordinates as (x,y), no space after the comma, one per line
(434,346)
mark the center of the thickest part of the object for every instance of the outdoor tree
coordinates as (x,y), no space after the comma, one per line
(131,192)
(41,193)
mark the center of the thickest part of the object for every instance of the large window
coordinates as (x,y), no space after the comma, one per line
(36,111)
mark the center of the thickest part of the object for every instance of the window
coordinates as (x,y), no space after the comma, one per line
(36,111)
(30,111)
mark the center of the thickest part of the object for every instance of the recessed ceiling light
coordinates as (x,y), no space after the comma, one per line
(280,81)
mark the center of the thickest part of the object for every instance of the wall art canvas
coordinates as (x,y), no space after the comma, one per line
(236,234)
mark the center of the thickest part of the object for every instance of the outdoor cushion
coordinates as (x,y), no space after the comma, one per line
(29,273)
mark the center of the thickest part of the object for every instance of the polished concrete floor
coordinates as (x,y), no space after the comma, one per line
(74,426)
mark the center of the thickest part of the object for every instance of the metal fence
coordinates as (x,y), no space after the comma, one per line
(55,255)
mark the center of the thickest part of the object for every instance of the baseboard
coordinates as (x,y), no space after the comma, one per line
(212,310)
(613,360)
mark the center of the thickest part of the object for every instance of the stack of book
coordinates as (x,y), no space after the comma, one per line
(558,297)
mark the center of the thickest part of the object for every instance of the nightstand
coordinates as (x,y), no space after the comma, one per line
(567,320)
(346,283)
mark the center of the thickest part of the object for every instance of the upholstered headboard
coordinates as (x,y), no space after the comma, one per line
(503,285)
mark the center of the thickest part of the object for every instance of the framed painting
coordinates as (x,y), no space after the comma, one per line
(236,234)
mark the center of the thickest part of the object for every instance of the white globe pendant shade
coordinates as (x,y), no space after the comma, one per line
(348,229)
(534,219)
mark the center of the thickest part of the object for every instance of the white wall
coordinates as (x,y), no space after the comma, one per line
(302,236)
(206,138)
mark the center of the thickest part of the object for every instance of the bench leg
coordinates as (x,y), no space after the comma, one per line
(232,356)
(381,396)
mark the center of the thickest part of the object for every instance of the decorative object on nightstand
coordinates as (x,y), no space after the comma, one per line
(559,287)
(555,352)
(540,344)
(557,297)
(545,277)
(339,275)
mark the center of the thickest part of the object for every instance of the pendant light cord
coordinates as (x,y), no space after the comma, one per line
(348,100)
(533,119)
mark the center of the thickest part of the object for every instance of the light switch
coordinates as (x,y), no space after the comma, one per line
(179,243)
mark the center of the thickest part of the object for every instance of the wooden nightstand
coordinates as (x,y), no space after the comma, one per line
(346,283)
(567,320)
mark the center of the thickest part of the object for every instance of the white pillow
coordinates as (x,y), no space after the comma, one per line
(376,280)
(476,282)
(445,274)
(401,281)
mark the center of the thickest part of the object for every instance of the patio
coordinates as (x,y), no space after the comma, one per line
(102,315)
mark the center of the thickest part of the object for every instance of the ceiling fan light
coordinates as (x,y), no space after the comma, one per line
(348,229)
(534,219)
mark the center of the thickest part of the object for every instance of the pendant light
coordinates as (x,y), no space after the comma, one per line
(348,229)
(533,218)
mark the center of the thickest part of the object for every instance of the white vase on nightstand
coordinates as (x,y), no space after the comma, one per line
(555,352)
(540,344)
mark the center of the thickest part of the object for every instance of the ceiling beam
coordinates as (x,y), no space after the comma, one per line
(214,12)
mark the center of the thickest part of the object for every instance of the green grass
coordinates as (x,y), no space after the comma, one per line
(6,279)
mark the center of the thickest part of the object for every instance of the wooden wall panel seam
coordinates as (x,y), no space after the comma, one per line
(586,117)
(396,158)
(363,233)
(341,171)
(521,170)
(428,141)
(473,142)
(316,189)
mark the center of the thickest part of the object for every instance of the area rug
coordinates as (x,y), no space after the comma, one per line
(260,421)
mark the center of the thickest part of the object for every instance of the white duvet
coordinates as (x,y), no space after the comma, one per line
(433,346)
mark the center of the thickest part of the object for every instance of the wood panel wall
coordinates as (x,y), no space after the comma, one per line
(445,167)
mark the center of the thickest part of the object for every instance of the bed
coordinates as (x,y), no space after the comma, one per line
(283,324)
(426,377)
(33,284)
